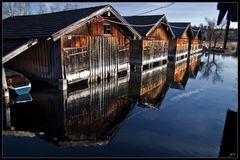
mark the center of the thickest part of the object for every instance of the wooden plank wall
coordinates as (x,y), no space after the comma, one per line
(182,45)
(151,48)
(154,49)
(97,55)
(196,44)
(34,62)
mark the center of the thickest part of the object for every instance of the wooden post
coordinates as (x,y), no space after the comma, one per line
(4,85)
(62,84)
(226,34)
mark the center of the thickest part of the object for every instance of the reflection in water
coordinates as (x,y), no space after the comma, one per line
(178,74)
(86,116)
(212,68)
(90,116)
(149,87)
(94,114)
(194,66)
(23,98)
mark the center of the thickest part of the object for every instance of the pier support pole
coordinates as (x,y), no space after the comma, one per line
(62,84)
(226,34)
(4,85)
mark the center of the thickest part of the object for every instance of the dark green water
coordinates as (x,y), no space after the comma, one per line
(177,110)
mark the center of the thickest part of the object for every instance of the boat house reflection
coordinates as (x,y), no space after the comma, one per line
(91,116)
(194,66)
(149,87)
(178,74)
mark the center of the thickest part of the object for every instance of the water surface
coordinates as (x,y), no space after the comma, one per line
(175,110)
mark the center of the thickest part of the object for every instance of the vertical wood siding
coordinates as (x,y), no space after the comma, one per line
(35,61)
(90,57)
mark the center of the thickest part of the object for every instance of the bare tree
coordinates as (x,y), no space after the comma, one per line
(211,24)
(22,8)
(212,69)
(55,8)
(219,33)
(213,33)
(42,8)
(8,9)
(68,6)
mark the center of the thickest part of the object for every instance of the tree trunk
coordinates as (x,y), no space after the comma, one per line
(215,43)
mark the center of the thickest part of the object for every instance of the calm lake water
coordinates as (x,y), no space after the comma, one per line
(176,110)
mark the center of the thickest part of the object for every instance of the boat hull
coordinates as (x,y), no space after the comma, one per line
(21,90)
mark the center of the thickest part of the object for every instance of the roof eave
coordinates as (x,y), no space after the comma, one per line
(19,50)
(153,27)
(170,28)
(77,24)
(124,21)
(83,21)
(189,26)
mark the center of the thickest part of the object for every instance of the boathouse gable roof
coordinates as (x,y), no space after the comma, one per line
(180,27)
(54,24)
(146,20)
(197,32)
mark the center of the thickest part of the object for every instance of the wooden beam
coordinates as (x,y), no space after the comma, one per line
(226,34)
(4,83)
(19,50)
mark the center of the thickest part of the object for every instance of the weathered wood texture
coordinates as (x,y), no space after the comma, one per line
(96,28)
(90,57)
(159,33)
(153,50)
(179,47)
(90,54)
(149,50)
(182,45)
(4,83)
(196,44)
(85,53)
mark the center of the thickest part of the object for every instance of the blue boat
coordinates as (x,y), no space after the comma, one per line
(17,83)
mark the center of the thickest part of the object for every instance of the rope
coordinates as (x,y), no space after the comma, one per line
(155,9)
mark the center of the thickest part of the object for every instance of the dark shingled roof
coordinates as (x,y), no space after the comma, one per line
(195,31)
(43,25)
(10,45)
(143,20)
(178,31)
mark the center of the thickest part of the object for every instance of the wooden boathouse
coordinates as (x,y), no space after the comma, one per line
(152,49)
(197,41)
(72,45)
(179,47)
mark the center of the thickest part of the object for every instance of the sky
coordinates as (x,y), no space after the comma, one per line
(178,12)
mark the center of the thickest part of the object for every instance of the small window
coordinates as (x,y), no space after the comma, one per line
(107,29)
